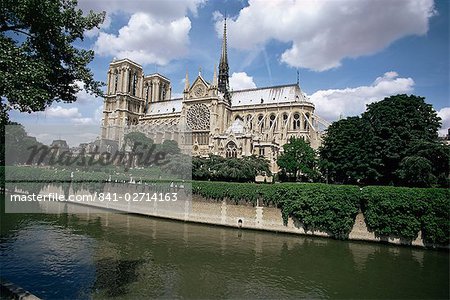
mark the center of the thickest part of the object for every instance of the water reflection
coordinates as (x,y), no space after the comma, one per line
(94,255)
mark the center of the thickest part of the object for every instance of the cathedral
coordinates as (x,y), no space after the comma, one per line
(210,118)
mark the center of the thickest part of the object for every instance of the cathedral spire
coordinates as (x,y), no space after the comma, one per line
(223,84)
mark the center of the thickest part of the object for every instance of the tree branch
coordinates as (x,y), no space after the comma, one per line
(5,27)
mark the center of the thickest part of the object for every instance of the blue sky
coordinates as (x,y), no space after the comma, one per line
(348,53)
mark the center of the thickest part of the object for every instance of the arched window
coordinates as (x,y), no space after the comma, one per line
(130,80)
(285,118)
(261,122)
(272,120)
(163,92)
(147,90)
(249,122)
(116,81)
(134,84)
(231,150)
(296,122)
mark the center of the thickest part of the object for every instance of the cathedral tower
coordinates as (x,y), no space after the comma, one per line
(123,100)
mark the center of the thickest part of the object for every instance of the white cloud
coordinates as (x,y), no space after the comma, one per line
(84,97)
(61,112)
(241,81)
(95,31)
(160,9)
(146,40)
(444,113)
(157,31)
(83,121)
(333,103)
(94,120)
(320,34)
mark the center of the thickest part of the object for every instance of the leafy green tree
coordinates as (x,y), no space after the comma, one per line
(138,140)
(416,171)
(438,156)
(169,147)
(398,123)
(218,168)
(178,165)
(372,149)
(39,61)
(17,144)
(343,155)
(298,156)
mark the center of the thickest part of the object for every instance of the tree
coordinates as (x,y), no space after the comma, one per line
(343,155)
(138,140)
(297,157)
(392,140)
(39,63)
(219,168)
(169,147)
(16,149)
(416,171)
(398,123)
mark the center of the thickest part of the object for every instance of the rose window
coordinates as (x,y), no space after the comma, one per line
(198,117)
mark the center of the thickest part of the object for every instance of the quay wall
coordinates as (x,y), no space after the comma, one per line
(227,213)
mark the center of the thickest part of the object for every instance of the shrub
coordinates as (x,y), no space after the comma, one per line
(317,206)
(403,212)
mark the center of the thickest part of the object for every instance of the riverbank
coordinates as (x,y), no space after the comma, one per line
(260,215)
(102,254)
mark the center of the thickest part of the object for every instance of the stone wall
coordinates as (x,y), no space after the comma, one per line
(227,213)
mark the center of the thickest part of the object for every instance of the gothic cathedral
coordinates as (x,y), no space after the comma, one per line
(209,118)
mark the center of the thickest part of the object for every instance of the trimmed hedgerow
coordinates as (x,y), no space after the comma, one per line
(321,207)
(436,219)
(388,211)
(403,212)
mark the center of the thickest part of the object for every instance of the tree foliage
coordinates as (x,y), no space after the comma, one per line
(39,61)
(16,149)
(298,159)
(394,142)
(137,140)
(229,169)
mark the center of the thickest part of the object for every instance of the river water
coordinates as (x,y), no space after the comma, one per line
(102,255)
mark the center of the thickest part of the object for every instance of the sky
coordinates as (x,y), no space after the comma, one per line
(348,53)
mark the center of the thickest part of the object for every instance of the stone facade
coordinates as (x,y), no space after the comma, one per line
(209,118)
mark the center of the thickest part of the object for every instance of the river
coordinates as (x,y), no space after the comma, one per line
(102,255)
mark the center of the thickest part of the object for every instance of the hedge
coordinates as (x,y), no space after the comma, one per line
(403,212)
(388,211)
(331,209)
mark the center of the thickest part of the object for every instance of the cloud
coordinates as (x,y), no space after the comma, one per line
(84,97)
(444,113)
(96,119)
(61,112)
(333,103)
(83,121)
(241,81)
(147,40)
(95,31)
(72,115)
(320,34)
(160,9)
(156,32)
